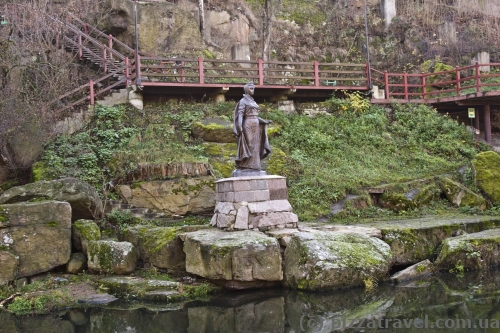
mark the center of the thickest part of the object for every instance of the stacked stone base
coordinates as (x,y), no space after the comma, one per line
(255,202)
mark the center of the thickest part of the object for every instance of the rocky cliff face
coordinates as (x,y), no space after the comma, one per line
(328,31)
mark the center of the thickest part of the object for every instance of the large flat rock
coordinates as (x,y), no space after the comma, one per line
(83,198)
(333,260)
(415,240)
(244,256)
(38,234)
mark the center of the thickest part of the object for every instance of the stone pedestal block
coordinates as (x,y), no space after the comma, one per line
(257,202)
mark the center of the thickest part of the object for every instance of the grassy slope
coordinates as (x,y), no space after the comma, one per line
(324,157)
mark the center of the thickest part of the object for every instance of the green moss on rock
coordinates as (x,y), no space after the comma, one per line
(487,174)
(277,162)
(38,172)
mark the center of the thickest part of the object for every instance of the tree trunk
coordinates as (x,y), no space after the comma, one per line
(202,18)
(266,30)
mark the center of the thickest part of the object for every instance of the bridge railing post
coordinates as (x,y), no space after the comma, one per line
(478,79)
(92,95)
(80,46)
(386,84)
(260,68)
(405,84)
(457,80)
(127,72)
(200,70)
(424,88)
(316,74)
(181,72)
(104,61)
(110,45)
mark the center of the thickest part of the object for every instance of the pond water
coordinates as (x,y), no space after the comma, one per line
(442,303)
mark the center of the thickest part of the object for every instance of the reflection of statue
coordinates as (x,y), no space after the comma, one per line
(253,144)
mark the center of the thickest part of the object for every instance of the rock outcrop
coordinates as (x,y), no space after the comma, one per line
(163,27)
(37,235)
(83,198)
(415,240)
(331,260)
(476,251)
(172,197)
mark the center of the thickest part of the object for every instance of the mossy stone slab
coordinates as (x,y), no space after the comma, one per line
(415,240)
(487,174)
(476,251)
(332,260)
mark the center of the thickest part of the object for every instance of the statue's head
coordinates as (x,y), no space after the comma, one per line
(249,88)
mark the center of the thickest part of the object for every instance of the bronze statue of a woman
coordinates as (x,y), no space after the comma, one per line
(253,144)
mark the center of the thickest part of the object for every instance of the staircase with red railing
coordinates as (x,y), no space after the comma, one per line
(99,51)
(119,63)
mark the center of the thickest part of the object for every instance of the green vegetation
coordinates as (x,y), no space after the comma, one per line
(200,291)
(87,154)
(41,296)
(330,156)
(324,157)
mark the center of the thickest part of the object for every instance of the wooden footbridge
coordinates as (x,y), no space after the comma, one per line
(474,87)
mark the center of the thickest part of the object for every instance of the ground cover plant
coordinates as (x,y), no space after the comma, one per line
(329,156)
(354,146)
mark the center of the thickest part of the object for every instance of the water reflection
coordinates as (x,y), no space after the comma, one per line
(443,303)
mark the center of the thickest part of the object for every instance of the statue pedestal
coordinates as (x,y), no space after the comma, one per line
(253,202)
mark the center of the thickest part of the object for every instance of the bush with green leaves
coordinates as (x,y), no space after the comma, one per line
(86,155)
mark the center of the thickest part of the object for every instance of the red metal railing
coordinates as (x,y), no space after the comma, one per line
(425,86)
(103,38)
(190,71)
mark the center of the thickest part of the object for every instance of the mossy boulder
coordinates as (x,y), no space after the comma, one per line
(243,258)
(415,240)
(161,246)
(139,288)
(106,256)
(413,195)
(77,263)
(487,174)
(38,234)
(474,251)
(83,198)
(221,157)
(460,195)
(84,231)
(331,260)
(214,130)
